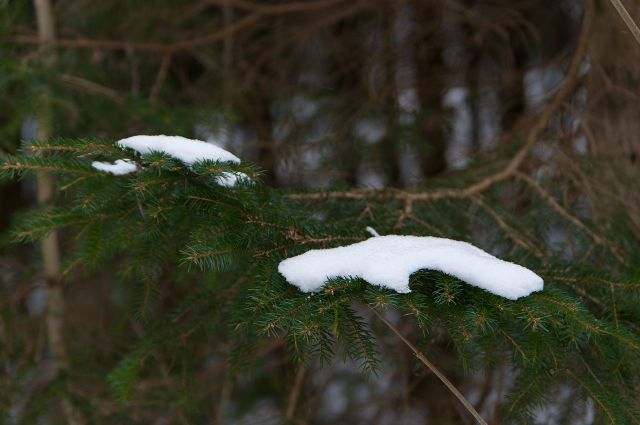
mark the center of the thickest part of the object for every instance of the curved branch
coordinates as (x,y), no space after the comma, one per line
(539,126)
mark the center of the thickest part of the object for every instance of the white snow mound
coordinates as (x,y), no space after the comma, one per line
(186,150)
(119,168)
(389,261)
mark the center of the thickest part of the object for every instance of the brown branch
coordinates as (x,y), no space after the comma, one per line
(160,77)
(467,405)
(568,216)
(294,395)
(508,230)
(92,87)
(277,9)
(152,47)
(258,11)
(627,19)
(538,127)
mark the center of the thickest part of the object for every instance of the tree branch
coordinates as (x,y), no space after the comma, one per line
(277,9)
(568,216)
(627,19)
(294,395)
(512,166)
(153,47)
(257,11)
(467,405)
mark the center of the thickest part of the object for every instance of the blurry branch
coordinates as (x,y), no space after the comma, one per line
(239,25)
(467,405)
(300,33)
(538,127)
(92,87)
(294,395)
(277,9)
(160,77)
(626,17)
(258,11)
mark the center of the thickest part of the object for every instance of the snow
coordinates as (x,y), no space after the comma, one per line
(118,168)
(227,179)
(388,261)
(186,150)
(372,231)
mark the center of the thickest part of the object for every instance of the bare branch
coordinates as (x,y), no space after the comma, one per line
(162,75)
(294,395)
(92,87)
(277,9)
(257,11)
(87,43)
(627,19)
(534,133)
(467,405)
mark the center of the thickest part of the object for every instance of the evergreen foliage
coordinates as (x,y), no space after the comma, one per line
(174,309)
(169,224)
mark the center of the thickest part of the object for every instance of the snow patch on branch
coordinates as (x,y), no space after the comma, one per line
(118,168)
(372,231)
(186,150)
(388,261)
(228,179)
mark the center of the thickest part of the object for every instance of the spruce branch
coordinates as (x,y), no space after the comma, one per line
(564,213)
(566,89)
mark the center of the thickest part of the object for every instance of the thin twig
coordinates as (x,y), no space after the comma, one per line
(568,216)
(279,8)
(258,10)
(432,368)
(160,77)
(508,230)
(92,87)
(627,19)
(175,46)
(294,395)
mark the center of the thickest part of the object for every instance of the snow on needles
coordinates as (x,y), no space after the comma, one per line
(186,150)
(118,168)
(389,261)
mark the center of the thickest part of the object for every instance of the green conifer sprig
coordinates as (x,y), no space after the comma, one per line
(168,223)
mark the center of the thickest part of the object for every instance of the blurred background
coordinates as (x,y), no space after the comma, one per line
(319,94)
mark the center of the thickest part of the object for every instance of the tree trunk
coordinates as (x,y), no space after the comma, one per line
(431,82)
(49,246)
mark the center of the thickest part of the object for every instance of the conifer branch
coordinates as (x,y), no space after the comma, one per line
(564,213)
(539,126)
(467,405)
